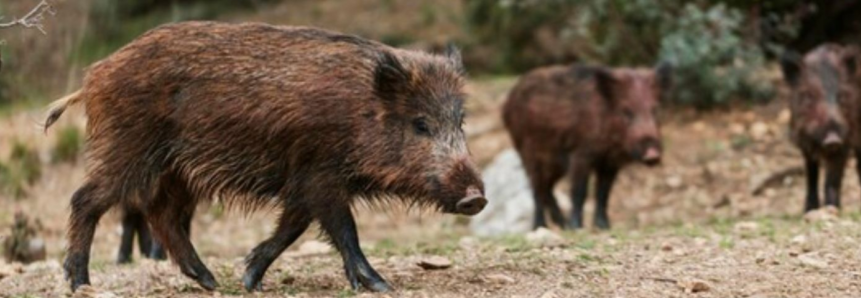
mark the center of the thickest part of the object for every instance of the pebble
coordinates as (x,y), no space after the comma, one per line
(824,214)
(812,261)
(435,263)
(693,285)
(544,237)
(92,292)
(745,227)
(499,278)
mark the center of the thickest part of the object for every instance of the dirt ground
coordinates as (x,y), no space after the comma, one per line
(689,228)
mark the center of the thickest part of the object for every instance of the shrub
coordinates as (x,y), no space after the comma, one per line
(23,169)
(705,40)
(713,64)
(68,146)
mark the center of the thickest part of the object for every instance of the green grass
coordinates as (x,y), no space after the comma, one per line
(727,242)
(346,293)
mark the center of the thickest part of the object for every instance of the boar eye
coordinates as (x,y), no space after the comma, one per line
(421,126)
(629,115)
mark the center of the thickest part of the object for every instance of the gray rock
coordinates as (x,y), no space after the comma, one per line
(510,207)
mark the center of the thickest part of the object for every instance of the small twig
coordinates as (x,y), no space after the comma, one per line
(662,279)
(777,177)
(32,19)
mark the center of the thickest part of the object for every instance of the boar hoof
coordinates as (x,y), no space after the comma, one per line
(207,281)
(378,286)
(157,253)
(252,283)
(371,283)
(124,259)
(602,223)
(575,223)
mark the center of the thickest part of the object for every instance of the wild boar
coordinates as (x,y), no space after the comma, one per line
(579,119)
(824,123)
(304,119)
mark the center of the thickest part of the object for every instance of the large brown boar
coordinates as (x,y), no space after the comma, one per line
(824,105)
(302,119)
(581,119)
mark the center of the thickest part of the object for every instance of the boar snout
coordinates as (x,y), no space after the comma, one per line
(832,141)
(473,203)
(652,156)
(649,152)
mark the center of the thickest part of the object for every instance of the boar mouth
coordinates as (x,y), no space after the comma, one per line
(832,142)
(651,157)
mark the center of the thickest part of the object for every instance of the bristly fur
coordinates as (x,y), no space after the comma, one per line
(246,113)
(825,101)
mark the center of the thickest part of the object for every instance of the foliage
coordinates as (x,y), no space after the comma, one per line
(705,40)
(712,62)
(23,168)
(115,23)
(69,144)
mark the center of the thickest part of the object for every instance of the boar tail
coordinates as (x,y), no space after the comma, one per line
(56,109)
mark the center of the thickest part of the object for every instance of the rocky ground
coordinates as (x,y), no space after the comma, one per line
(720,218)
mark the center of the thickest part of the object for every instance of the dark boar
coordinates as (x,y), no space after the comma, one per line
(580,119)
(824,106)
(302,119)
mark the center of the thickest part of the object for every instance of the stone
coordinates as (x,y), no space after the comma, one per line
(543,237)
(824,214)
(693,285)
(435,263)
(510,208)
(499,278)
(811,260)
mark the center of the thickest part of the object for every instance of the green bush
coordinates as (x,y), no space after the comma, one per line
(715,61)
(69,144)
(712,62)
(23,169)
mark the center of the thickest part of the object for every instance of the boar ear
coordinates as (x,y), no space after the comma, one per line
(664,74)
(453,55)
(601,76)
(851,54)
(604,82)
(789,64)
(390,76)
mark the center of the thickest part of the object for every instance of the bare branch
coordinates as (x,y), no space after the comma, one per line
(32,19)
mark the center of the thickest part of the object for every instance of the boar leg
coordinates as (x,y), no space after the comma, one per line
(156,250)
(834,169)
(579,192)
(812,166)
(145,242)
(89,203)
(131,224)
(606,175)
(167,214)
(338,224)
(543,176)
(291,225)
(858,163)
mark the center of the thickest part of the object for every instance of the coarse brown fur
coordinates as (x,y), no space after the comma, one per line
(302,119)
(824,104)
(578,119)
